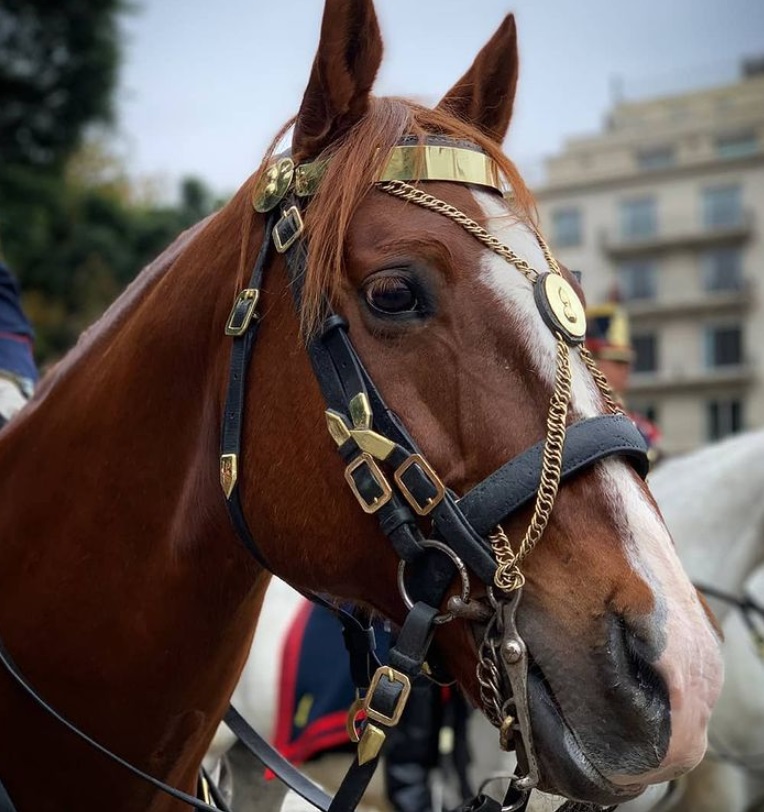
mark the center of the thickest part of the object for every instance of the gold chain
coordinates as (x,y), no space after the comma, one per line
(602,383)
(551,261)
(508,576)
(411,193)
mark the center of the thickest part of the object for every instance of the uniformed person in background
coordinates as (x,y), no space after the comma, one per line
(608,340)
(18,373)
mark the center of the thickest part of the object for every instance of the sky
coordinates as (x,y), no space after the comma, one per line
(207,83)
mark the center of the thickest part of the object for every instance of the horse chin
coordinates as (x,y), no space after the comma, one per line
(564,767)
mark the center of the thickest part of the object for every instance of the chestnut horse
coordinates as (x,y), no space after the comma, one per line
(127,599)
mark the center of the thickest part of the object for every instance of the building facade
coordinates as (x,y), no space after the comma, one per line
(664,210)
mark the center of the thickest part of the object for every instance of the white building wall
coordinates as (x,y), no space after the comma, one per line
(595,174)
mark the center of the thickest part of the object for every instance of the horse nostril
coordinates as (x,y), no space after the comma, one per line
(636,655)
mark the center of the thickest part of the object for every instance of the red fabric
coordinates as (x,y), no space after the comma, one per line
(290,660)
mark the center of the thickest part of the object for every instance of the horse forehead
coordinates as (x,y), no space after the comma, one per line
(382,221)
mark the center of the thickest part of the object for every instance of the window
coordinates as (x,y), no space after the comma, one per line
(722,270)
(566,227)
(638,279)
(722,207)
(638,218)
(738,145)
(656,158)
(724,417)
(724,346)
(645,347)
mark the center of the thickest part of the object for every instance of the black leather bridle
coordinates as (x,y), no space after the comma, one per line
(414,489)
(356,410)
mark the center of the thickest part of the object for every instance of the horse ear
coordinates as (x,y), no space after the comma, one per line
(348,57)
(484,96)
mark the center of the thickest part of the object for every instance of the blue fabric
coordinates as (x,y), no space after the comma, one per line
(317,690)
(16,335)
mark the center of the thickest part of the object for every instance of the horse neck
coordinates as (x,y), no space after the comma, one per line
(124,593)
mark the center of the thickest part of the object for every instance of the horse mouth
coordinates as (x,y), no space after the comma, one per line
(564,766)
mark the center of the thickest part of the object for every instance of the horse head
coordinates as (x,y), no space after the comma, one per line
(468,332)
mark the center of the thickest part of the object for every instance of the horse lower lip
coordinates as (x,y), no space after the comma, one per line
(565,768)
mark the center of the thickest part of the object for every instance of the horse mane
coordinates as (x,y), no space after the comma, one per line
(353,163)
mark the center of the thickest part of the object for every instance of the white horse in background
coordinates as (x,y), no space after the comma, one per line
(713,503)
(731,777)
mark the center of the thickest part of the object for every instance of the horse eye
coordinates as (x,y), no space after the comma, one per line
(391,294)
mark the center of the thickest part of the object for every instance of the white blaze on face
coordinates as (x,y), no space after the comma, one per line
(690,663)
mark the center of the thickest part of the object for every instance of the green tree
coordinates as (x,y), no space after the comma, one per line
(58,70)
(72,224)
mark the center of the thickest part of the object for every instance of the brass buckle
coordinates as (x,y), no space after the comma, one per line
(393,675)
(350,721)
(379,478)
(440,488)
(291,214)
(238,324)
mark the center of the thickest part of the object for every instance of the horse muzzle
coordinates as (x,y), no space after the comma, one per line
(597,724)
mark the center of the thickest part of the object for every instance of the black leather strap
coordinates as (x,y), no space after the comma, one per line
(233,414)
(6,804)
(516,482)
(353,785)
(275,762)
(214,790)
(18,677)
(360,640)
(410,649)
(349,793)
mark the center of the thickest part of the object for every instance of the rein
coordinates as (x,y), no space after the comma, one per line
(391,479)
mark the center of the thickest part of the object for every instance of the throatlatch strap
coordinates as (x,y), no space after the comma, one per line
(360,641)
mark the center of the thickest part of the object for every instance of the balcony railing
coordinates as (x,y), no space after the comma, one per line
(700,302)
(687,380)
(676,234)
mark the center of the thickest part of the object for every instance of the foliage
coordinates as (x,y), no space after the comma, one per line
(74,246)
(58,70)
(73,226)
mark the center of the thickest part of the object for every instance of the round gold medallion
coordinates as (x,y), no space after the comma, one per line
(560,306)
(273,185)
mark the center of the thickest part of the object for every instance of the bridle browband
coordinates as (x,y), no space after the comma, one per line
(391,479)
